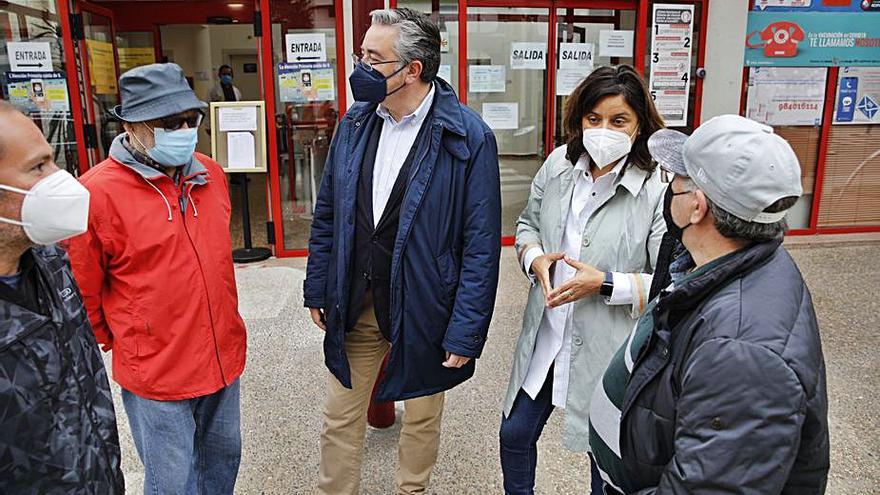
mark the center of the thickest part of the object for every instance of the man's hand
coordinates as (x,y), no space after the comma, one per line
(318,318)
(541,270)
(455,361)
(586,281)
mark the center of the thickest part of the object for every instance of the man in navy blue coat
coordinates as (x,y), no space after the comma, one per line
(404,249)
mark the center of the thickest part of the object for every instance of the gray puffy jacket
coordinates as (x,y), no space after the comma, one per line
(57,425)
(728,394)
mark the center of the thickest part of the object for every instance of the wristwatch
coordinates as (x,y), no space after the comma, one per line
(607,287)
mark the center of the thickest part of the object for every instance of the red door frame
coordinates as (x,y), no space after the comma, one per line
(80,7)
(268,67)
(74,90)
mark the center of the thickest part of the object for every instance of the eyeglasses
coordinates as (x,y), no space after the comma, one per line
(175,122)
(367,64)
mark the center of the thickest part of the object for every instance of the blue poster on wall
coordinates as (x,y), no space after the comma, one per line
(817,39)
(817,5)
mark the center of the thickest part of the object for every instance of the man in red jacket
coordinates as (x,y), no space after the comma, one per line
(155,270)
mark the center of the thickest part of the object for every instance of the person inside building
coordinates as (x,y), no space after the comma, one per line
(721,386)
(155,267)
(588,240)
(224,89)
(57,423)
(410,195)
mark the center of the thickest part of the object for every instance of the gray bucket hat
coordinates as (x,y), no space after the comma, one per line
(155,91)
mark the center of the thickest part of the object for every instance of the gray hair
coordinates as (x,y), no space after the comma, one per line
(418,38)
(734,227)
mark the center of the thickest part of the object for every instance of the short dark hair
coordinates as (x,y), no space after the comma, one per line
(418,38)
(611,81)
(224,66)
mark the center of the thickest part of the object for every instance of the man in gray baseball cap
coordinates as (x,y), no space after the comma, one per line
(156,275)
(721,387)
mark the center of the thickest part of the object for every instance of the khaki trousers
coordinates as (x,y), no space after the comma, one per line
(345,419)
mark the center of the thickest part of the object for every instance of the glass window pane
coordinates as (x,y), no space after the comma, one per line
(511,98)
(43,97)
(307,110)
(445,14)
(585,26)
(102,77)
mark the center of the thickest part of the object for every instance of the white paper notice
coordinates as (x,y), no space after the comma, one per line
(671,45)
(237,118)
(240,148)
(568,79)
(576,56)
(29,56)
(615,43)
(501,115)
(487,79)
(528,56)
(445,73)
(786,95)
(858,96)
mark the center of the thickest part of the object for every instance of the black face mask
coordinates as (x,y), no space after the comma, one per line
(673,229)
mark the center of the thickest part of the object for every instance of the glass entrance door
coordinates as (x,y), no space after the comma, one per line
(100,72)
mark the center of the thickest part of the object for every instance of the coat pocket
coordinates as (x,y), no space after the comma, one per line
(448,271)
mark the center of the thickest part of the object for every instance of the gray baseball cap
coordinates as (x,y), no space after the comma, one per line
(741,165)
(155,91)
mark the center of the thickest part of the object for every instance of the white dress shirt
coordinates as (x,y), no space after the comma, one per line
(394,145)
(553,342)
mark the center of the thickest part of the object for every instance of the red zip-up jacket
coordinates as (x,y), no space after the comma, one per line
(157,278)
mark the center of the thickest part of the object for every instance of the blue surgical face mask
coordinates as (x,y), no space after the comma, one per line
(226,79)
(371,86)
(174,148)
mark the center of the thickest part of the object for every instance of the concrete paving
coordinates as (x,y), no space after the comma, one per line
(283,388)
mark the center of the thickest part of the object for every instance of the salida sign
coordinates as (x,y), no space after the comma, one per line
(576,56)
(528,56)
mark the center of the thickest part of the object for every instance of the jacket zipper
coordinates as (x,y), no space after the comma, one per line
(207,294)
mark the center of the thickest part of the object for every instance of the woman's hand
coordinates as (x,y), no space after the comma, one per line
(586,281)
(541,270)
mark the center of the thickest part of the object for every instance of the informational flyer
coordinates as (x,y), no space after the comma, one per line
(237,119)
(487,79)
(568,79)
(858,96)
(501,115)
(576,56)
(129,58)
(671,48)
(615,43)
(241,150)
(102,66)
(38,91)
(528,55)
(786,95)
(301,83)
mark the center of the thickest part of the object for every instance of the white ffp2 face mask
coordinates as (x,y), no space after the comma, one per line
(54,209)
(606,146)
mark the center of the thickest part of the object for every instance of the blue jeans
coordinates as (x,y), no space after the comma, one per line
(188,446)
(519,441)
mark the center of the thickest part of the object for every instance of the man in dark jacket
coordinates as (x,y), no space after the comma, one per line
(404,249)
(57,424)
(724,374)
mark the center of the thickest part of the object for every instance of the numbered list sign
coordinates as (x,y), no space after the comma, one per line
(671,48)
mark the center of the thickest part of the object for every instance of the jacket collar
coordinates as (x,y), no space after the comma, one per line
(629,176)
(692,291)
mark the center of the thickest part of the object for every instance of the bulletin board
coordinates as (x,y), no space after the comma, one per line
(238,137)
